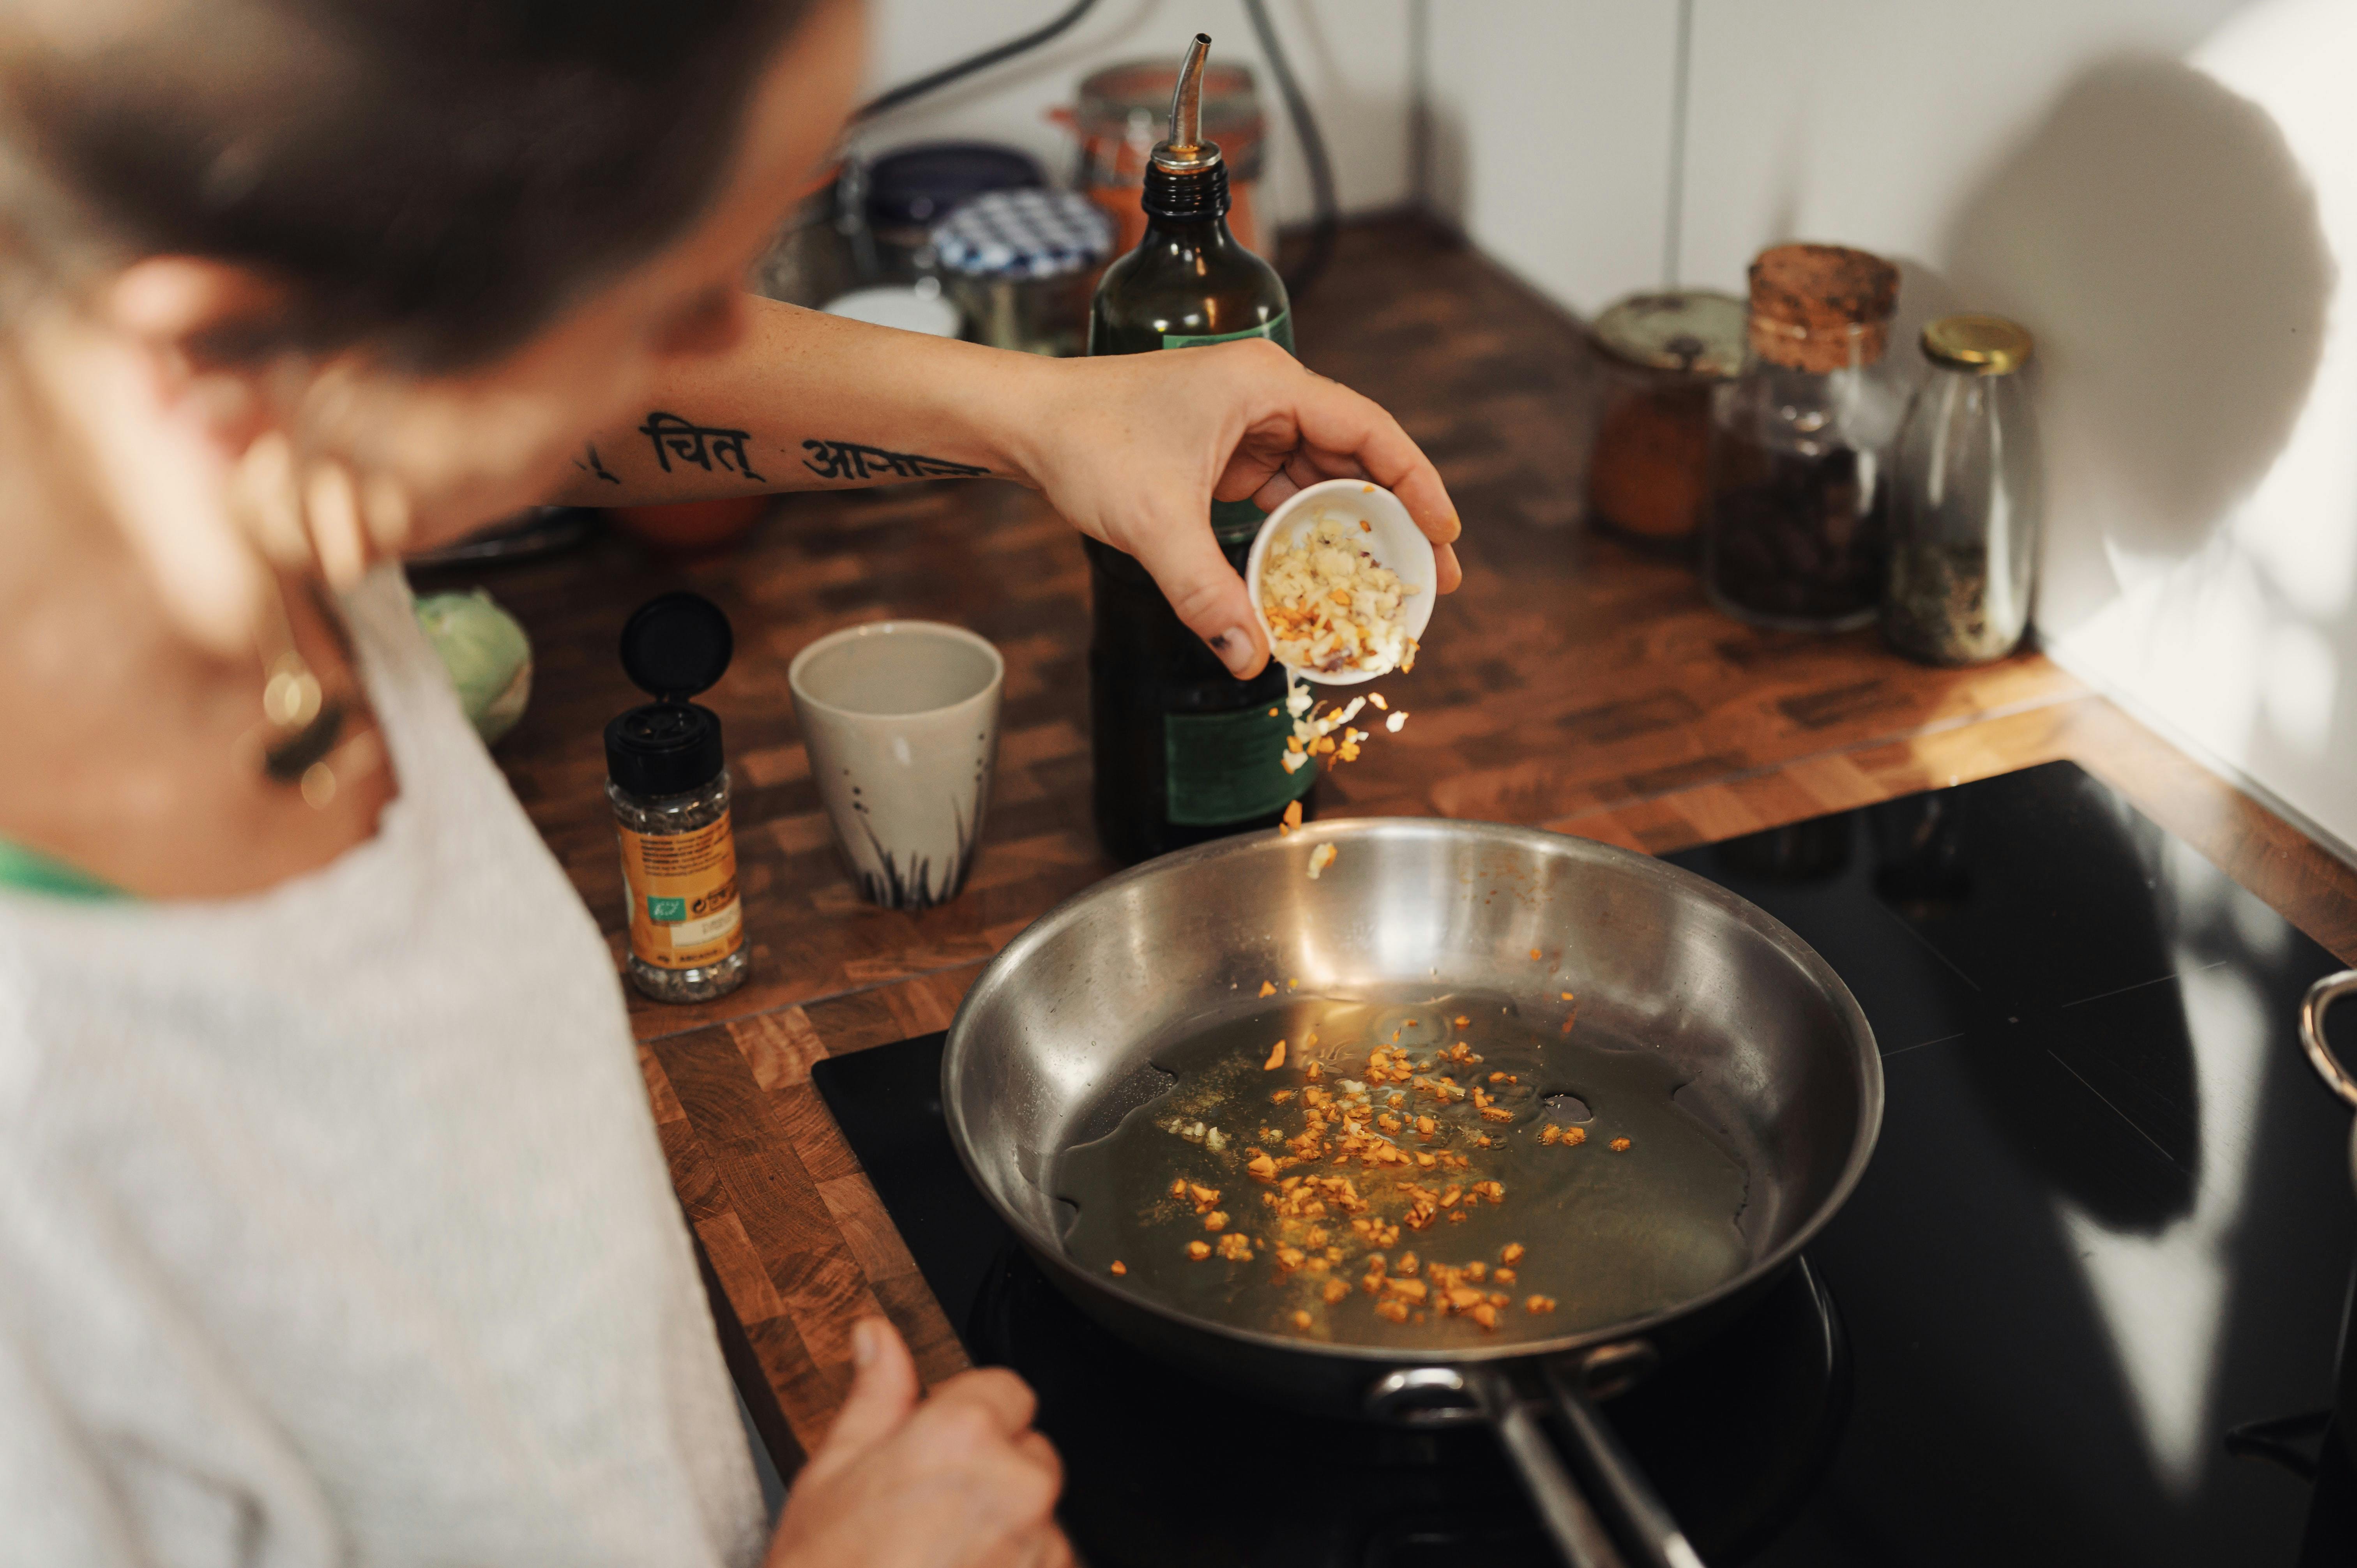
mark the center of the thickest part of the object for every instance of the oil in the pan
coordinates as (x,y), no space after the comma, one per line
(1223,1198)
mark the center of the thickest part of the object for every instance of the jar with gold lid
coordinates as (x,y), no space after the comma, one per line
(1662,355)
(1794,527)
(1966,499)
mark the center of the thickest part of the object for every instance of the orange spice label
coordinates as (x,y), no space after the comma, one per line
(682,889)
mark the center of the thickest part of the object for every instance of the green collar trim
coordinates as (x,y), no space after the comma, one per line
(29,871)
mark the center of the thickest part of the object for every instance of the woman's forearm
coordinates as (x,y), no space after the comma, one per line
(807,401)
(1132,449)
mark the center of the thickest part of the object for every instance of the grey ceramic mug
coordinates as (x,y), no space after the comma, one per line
(901,722)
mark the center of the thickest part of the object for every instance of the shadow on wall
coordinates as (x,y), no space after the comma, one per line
(1444,160)
(2156,235)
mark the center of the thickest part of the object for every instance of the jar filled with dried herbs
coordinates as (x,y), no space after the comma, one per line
(669,785)
(1793,534)
(1967,497)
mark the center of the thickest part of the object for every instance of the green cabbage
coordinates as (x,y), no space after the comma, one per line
(487,653)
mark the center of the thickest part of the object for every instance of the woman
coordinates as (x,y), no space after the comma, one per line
(333,1227)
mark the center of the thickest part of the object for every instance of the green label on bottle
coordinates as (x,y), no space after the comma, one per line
(1229,767)
(1237,518)
(1277,331)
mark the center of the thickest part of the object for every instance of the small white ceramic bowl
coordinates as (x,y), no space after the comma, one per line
(1394,542)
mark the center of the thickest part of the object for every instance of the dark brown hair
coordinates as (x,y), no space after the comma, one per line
(437,177)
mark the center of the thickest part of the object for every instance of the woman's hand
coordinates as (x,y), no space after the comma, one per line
(957,1479)
(1134,448)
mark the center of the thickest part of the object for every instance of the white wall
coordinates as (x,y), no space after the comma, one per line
(1873,122)
(1551,132)
(2164,191)
(1351,58)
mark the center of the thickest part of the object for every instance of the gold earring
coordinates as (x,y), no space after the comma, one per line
(302,723)
(306,516)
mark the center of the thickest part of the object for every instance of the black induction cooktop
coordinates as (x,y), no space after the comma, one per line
(2084,1308)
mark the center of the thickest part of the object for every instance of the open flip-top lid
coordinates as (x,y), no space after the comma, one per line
(672,646)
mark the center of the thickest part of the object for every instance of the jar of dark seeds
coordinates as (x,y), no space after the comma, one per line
(1794,530)
(1966,499)
(669,787)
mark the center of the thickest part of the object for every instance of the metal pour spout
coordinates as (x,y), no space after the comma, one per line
(1186,151)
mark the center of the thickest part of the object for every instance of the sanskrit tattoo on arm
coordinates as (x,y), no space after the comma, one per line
(702,445)
(717,449)
(593,467)
(851,460)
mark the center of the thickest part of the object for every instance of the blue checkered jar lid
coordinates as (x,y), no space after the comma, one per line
(1024,234)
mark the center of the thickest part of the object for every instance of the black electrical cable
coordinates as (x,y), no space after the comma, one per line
(935,81)
(1324,219)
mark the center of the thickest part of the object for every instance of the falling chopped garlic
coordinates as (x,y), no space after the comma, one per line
(1319,859)
(1313,729)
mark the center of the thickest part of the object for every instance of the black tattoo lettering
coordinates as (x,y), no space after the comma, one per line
(594,467)
(701,444)
(850,460)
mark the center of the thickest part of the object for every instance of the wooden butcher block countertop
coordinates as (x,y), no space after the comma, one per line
(1570,684)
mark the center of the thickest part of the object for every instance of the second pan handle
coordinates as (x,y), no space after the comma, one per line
(2320,997)
(1441,1395)
(1657,1535)
(1578,1535)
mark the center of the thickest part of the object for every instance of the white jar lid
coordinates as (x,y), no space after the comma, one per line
(910,309)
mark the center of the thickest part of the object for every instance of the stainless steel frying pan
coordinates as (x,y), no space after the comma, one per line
(1051,1049)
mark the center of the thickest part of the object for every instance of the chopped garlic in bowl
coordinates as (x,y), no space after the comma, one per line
(1342,580)
(1331,606)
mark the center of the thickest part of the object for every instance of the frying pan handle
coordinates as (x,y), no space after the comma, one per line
(1578,1535)
(2321,996)
(1608,1370)
(1429,1395)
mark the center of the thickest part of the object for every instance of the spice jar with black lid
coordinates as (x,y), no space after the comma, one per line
(667,777)
(1794,534)
(1663,356)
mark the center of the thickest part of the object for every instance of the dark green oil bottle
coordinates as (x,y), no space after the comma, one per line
(1184,751)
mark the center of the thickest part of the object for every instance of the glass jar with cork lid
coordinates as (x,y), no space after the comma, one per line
(1794,533)
(1662,357)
